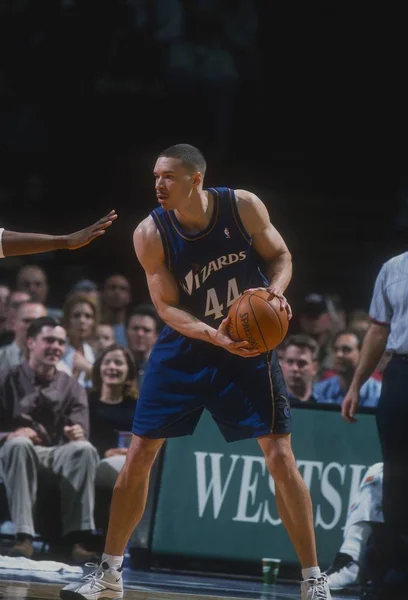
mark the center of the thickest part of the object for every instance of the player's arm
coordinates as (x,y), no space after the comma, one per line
(164,293)
(14,243)
(268,242)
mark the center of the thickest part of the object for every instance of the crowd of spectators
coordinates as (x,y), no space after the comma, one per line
(69,381)
(319,358)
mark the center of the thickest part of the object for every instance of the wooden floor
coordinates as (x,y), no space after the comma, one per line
(140,585)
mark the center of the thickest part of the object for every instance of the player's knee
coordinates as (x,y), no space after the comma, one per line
(139,461)
(280,463)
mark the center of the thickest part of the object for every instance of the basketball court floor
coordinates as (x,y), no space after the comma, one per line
(18,584)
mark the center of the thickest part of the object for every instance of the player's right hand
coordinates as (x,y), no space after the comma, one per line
(349,405)
(223,339)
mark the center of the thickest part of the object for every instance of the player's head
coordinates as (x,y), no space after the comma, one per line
(179,171)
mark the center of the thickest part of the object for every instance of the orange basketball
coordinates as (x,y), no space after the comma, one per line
(255,319)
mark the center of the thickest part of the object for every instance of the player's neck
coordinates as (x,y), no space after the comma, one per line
(195,215)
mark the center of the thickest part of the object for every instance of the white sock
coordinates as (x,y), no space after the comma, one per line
(356,540)
(311,573)
(115,562)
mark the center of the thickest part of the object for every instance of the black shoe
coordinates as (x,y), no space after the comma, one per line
(341,560)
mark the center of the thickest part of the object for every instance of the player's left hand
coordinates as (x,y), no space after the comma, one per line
(275,293)
(85,236)
(242,348)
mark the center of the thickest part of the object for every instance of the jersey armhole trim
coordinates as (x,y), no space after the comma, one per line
(237,218)
(165,241)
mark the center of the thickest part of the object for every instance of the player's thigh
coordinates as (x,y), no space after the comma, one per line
(171,399)
(249,398)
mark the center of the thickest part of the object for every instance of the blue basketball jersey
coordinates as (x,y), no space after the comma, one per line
(245,396)
(212,267)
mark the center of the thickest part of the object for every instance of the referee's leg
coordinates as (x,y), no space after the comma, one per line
(392,424)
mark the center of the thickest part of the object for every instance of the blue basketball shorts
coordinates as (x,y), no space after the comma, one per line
(246,397)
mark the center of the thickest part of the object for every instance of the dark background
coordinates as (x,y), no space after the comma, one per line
(317,130)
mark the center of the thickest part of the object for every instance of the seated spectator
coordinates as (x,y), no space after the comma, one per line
(80,320)
(115,299)
(317,317)
(112,403)
(346,347)
(143,325)
(45,414)
(33,280)
(104,337)
(112,399)
(15,299)
(299,367)
(4,294)
(363,512)
(15,353)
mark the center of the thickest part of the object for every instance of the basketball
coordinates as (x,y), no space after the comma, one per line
(256,319)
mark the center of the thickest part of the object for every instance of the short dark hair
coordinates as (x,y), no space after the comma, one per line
(315,304)
(349,331)
(302,340)
(84,285)
(36,326)
(145,310)
(190,156)
(115,274)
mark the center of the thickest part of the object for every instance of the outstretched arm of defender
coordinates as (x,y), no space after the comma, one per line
(164,293)
(14,243)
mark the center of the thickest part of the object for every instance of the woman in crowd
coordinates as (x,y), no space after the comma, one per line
(112,402)
(80,319)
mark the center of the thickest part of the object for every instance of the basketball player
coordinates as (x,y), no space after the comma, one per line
(200,250)
(13,243)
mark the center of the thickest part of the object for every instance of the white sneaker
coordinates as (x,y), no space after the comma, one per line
(315,588)
(102,582)
(344,576)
